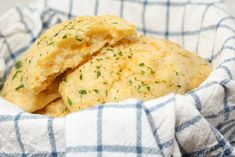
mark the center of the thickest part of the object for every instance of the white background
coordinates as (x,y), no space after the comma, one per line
(7,4)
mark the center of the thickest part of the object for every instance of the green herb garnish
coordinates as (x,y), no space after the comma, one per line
(70,102)
(15,75)
(141,64)
(106,92)
(179,86)
(65,36)
(18,64)
(78,38)
(50,43)
(148,88)
(19,87)
(82,92)
(98,74)
(152,72)
(96,91)
(120,53)
(109,49)
(157,82)
(56,34)
(80,76)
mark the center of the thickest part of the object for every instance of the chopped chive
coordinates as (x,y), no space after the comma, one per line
(176,73)
(120,53)
(65,36)
(104,82)
(70,102)
(109,49)
(144,84)
(82,92)
(141,64)
(19,87)
(50,43)
(152,72)
(56,34)
(130,81)
(18,64)
(114,22)
(80,76)
(157,82)
(129,57)
(78,38)
(148,88)
(106,92)
(15,75)
(98,74)
(179,86)
(96,91)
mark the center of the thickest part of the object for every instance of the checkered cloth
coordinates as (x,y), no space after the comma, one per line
(199,123)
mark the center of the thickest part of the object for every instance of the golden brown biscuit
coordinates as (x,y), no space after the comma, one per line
(68,44)
(15,91)
(143,68)
(54,109)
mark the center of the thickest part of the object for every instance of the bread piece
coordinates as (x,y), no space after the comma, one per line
(15,91)
(143,68)
(196,68)
(68,44)
(54,109)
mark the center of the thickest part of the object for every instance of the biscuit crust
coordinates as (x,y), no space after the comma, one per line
(140,67)
(69,43)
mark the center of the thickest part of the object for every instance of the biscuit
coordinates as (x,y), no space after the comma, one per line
(15,91)
(138,67)
(68,44)
(54,109)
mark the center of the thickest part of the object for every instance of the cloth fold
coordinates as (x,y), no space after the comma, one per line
(199,123)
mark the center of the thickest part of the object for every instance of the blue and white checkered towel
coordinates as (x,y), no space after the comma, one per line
(199,123)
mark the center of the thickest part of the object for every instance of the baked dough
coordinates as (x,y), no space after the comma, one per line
(140,67)
(54,109)
(95,59)
(68,44)
(15,91)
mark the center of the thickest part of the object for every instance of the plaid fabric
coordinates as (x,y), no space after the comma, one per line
(199,123)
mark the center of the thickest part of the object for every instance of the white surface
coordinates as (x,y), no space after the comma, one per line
(231,5)
(6,5)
